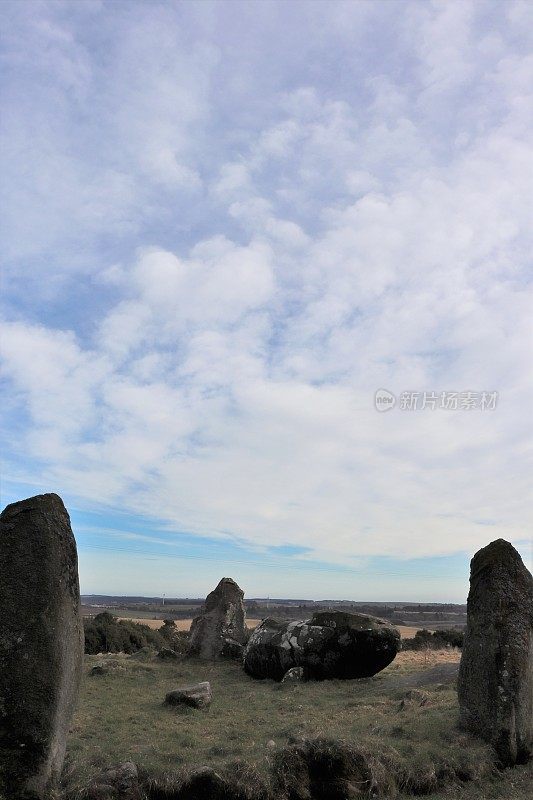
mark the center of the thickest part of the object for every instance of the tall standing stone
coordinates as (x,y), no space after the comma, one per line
(496,673)
(222,622)
(41,644)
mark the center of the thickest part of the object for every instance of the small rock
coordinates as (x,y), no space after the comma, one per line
(414,697)
(293,675)
(271,744)
(99,669)
(196,695)
(167,654)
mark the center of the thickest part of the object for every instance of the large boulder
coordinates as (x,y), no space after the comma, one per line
(41,644)
(222,618)
(496,673)
(332,644)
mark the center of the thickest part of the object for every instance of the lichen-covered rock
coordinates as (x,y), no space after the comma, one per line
(222,618)
(41,644)
(293,675)
(196,695)
(232,650)
(332,644)
(495,684)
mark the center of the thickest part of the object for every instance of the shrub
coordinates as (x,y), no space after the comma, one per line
(106,634)
(434,640)
(175,639)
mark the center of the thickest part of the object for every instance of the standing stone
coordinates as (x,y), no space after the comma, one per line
(496,673)
(41,644)
(223,618)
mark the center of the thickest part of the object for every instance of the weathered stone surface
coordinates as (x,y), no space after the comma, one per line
(223,617)
(41,643)
(232,650)
(293,675)
(332,644)
(196,695)
(99,669)
(495,684)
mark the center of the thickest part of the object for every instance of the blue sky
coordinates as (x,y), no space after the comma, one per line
(226,225)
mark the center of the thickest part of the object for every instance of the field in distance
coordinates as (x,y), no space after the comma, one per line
(407,632)
(409,617)
(181,624)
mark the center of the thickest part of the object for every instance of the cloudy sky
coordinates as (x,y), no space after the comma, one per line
(225,226)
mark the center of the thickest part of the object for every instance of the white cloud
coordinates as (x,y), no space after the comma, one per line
(331,244)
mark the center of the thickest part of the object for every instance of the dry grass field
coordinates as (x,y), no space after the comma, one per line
(181,624)
(407,632)
(121,716)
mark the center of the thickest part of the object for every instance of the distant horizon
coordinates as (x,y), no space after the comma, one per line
(275,599)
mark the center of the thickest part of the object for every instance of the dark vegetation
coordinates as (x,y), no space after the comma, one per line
(434,640)
(104,633)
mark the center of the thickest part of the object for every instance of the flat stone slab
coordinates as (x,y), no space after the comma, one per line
(195,695)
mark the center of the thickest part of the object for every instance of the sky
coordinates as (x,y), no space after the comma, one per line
(226,226)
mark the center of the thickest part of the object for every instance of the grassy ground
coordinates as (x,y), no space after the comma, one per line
(121,717)
(512,784)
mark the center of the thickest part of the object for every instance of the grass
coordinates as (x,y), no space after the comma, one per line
(512,784)
(121,717)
